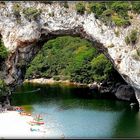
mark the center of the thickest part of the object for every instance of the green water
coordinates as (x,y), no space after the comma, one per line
(73,112)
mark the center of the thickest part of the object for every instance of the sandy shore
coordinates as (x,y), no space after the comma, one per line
(52,81)
(14,126)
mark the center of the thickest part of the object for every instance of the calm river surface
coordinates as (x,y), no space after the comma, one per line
(73,112)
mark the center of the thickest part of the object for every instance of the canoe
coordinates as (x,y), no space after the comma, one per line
(24,113)
(35,122)
(38,119)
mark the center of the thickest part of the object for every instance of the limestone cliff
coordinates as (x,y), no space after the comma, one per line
(22,37)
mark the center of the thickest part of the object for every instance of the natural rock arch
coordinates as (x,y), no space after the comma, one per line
(22,40)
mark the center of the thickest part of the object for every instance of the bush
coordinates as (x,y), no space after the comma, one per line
(117,33)
(121,8)
(3,52)
(57,78)
(66,4)
(135,55)
(101,68)
(138,51)
(107,10)
(16,10)
(132,37)
(118,21)
(31,13)
(136,7)
(97,8)
(80,8)
(3,88)
(127,40)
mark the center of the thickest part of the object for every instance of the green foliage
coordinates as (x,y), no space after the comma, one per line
(108,12)
(135,55)
(101,68)
(120,21)
(138,51)
(111,12)
(3,88)
(97,7)
(66,4)
(16,10)
(80,8)
(68,58)
(136,7)
(117,33)
(121,8)
(3,52)
(127,40)
(132,37)
(31,13)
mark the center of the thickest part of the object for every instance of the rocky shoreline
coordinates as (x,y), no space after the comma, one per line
(120,91)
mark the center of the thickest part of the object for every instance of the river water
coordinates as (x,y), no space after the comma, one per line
(72,112)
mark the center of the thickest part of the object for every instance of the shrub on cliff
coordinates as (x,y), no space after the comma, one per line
(118,21)
(115,12)
(3,52)
(132,37)
(31,13)
(136,7)
(3,88)
(80,8)
(66,4)
(97,8)
(101,68)
(16,10)
(121,8)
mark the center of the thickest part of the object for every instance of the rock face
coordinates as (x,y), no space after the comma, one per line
(22,38)
(125,92)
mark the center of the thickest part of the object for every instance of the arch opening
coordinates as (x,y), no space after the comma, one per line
(114,82)
(26,51)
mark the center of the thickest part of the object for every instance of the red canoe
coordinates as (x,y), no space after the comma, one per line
(37,122)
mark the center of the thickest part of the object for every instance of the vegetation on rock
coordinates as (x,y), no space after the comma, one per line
(136,7)
(16,10)
(111,13)
(31,13)
(69,58)
(3,88)
(132,37)
(3,52)
(80,8)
